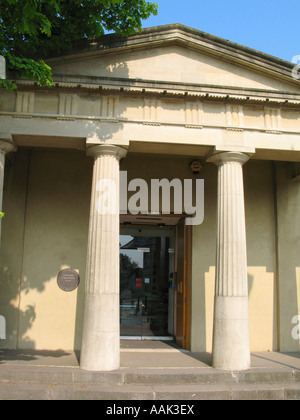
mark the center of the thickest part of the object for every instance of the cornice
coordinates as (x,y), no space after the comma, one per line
(119,86)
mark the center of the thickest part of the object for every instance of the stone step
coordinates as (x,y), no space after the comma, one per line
(164,376)
(149,375)
(69,383)
(135,393)
(208,376)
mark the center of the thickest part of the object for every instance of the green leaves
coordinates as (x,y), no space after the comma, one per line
(2,215)
(31,30)
(28,16)
(126,16)
(21,23)
(28,68)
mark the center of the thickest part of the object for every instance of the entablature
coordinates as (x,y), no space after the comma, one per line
(212,116)
(270,112)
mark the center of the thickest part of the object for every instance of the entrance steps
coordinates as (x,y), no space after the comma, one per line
(65,383)
(147,374)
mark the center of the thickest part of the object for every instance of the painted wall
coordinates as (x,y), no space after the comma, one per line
(44,232)
(288,203)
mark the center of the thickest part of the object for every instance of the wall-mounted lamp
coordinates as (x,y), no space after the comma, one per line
(196,167)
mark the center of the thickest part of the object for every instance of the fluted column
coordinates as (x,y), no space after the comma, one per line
(6,146)
(231,349)
(100,349)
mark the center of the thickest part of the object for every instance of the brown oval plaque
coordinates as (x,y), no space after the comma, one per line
(68,280)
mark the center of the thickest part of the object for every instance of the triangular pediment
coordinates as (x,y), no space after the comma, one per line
(179,55)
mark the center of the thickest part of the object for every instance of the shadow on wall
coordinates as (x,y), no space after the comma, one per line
(261,254)
(46,202)
(260,200)
(288,204)
(272,300)
(47,196)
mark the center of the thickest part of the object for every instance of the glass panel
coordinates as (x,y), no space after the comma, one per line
(144,285)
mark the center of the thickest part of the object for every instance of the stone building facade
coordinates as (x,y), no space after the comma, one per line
(74,160)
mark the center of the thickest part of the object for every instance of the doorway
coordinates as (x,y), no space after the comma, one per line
(147,261)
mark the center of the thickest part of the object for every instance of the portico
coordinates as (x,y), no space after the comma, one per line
(123,109)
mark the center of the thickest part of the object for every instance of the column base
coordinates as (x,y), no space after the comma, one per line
(101,334)
(231,347)
(101,357)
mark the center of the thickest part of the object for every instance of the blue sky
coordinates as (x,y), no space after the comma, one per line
(272,27)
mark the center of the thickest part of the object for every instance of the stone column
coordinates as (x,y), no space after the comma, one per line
(231,348)
(100,349)
(6,146)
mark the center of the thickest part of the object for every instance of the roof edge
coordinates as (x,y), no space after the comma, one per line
(152,34)
(218,40)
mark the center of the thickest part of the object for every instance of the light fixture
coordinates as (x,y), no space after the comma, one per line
(196,166)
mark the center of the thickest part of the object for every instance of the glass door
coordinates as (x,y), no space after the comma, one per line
(146,283)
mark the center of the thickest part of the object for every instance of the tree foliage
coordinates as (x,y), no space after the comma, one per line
(32,30)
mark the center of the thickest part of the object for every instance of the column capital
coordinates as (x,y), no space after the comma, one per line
(219,158)
(223,154)
(96,150)
(6,143)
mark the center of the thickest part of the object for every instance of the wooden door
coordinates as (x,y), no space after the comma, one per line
(183,285)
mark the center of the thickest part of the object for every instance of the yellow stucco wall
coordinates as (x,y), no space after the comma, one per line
(288,203)
(55,210)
